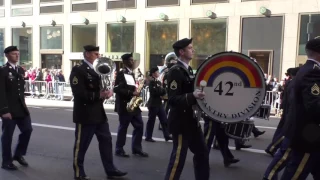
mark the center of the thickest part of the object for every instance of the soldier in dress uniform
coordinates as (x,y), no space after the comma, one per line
(169,63)
(282,151)
(89,115)
(155,106)
(278,135)
(13,110)
(214,128)
(125,90)
(304,129)
(184,126)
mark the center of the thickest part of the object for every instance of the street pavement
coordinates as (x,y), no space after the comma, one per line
(50,153)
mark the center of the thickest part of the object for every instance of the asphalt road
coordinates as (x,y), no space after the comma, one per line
(50,152)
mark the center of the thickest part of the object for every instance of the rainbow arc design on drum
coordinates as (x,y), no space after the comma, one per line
(235,64)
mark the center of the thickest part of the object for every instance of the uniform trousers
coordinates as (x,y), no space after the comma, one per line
(83,136)
(137,123)
(276,141)
(279,161)
(213,128)
(8,127)
(194,141)
(300,165)
(153,113)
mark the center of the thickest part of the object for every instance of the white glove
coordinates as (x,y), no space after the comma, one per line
(198,94)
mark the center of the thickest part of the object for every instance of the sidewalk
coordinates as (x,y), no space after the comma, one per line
(55,103)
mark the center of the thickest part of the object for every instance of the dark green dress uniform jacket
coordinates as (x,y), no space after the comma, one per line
(124,93)
(156,91)
(85,85)
(181,118)
(12,98)
(305,117)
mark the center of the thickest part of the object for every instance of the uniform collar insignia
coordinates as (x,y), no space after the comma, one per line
(316,66)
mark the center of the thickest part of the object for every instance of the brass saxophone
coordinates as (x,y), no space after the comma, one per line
(136,101)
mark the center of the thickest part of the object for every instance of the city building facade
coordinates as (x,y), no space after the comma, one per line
(52,33)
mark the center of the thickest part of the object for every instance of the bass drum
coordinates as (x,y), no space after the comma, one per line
(235,87)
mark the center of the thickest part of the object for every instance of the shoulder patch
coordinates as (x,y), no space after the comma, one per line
(173,85)
(75,80)
(315,90)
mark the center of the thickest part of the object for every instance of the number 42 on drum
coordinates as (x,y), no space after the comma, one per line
(230,84)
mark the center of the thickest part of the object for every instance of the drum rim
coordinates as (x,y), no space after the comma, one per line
(246,57)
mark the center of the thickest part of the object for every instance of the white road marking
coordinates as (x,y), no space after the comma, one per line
(130,136)
(115,114)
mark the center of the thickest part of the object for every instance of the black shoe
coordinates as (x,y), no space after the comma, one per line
(150,140)
(168,138)
(9,167)
(227,163)
(258,133)
(122,154)
(243,146)
(82,178)
(268,152)
(116,173)
(21,160)
(140,153)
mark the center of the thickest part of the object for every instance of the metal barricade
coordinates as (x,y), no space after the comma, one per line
(35,88)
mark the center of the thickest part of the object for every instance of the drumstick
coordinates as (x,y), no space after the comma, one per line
(203,84)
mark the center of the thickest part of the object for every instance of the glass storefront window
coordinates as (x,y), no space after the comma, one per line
(83,35)
(120,37)
(22,38)
(309,29)
(209,37)
(51,37)
(51,61)
(2,59)
(160,37)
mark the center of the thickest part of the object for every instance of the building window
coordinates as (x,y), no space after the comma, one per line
(22,37)
(51,1)
(22,11)
(85,7)
(152,3)
(51,61)
(17,2)
(83,35)
(121,4)
(120,37)
(160,37)
(309,29)
(51,9)
(209,37)
(51,37)
(208,1)
(1,3)
(2,60)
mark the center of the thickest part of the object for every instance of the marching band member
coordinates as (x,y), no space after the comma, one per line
(155,107)
(282,155)
(169,63)
(213,128)
(89,115)
(184,126)
(125,90)
(304,129)
(13,110)
(278,135)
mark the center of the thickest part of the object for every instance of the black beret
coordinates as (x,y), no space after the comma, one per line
(313,45)
(91,48)
(153,70)
(10,48)
(126,56)
(182,43)
(294,71)
(289,71)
